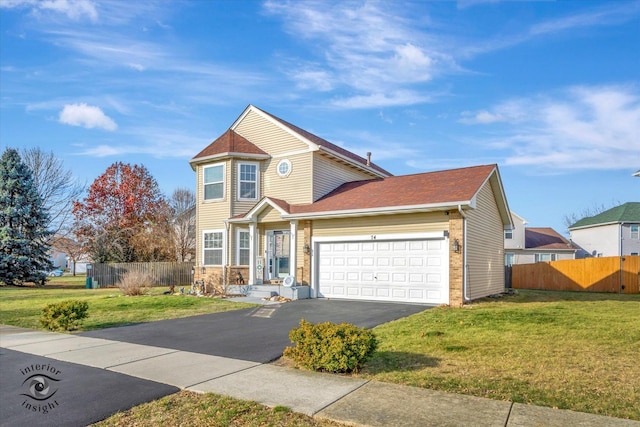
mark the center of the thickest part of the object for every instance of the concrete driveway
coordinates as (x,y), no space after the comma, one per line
(257,334)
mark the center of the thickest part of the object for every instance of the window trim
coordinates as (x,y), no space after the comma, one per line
(221,249)
(509,256)
(508,234)
(238,248)
(284,162)
(636,232)
(552,255)
(204,183)
(239,181)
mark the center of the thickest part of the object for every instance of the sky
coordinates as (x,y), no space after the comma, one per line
(547,90)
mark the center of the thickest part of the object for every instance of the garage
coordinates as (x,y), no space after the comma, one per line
(384,270)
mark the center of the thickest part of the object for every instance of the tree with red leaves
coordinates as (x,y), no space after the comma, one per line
(125,217)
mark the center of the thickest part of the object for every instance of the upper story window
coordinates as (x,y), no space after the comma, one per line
(284,168)
(635,233)
(213,182)
(508,234)
(247,181)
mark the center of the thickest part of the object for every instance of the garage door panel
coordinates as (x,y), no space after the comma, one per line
(409,270)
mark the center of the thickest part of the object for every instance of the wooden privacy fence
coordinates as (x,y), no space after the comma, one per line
(163,273)
(606,274)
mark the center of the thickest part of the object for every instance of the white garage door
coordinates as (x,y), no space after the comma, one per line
(398,270)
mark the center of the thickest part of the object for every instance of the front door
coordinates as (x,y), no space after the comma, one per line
(278,247)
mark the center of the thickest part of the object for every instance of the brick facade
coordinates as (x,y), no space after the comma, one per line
(456,260)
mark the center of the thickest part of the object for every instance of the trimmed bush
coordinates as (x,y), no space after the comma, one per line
(65,315)
(135,283)
(330,347)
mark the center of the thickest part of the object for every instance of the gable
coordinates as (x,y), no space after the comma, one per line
(267,136)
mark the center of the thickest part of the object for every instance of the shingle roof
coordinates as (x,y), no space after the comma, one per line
(628,212)
(324,143)
(545,238)
(229,142)
(430,188)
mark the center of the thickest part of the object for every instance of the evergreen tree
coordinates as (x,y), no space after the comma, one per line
(23,218)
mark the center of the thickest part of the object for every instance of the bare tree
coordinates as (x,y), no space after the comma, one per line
(57,188)
(570,219)
(70,247)
(183,204)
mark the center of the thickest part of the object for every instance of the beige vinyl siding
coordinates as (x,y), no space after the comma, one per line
(381,224)
(485,247)
(329,174)
(268,136)
(270,214)
(210,215)
(295,188)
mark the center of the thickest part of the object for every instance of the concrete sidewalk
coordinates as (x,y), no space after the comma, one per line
(340,398)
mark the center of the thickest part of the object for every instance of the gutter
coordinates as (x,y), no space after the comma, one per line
(464,255)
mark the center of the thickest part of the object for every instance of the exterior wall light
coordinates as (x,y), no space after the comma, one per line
(455,246)
(203,270)
(306,249)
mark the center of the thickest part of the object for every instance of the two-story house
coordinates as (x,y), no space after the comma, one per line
(527,245)
(614,232)
(279,204)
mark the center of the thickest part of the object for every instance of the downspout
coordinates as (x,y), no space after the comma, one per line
(225,253)
(464,254)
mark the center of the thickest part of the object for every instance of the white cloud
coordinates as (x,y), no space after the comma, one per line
(367,48)
(73,9)
(583,127)
(86,116)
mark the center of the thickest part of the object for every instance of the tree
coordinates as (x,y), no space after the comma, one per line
(23,224)
(124,216)
(183,205)
(57,188)
(71,247)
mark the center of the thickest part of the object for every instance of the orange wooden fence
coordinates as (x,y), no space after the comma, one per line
(606,274)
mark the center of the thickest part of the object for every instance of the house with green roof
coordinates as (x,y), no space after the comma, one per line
(614,232)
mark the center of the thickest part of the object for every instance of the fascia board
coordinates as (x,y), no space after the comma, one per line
(601,224)
(353,162)
(257,208)
(379,211)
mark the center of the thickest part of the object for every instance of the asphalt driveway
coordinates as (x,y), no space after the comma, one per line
(257,334)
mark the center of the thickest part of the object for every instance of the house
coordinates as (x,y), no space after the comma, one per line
(280,205)
(614,232)
(526,245)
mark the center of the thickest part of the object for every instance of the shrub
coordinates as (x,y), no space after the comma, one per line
(64,315)
(330,347)
(134,283)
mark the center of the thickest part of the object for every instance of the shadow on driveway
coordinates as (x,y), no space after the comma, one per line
(256,334)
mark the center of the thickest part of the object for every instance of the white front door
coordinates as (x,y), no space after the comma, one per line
(278,254)
(394,270)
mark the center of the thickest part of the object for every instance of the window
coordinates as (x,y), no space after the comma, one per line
(509,258)
(635,234)
(284,168)
(243,248)
(247,181)
(545,257)
(508,234)
(213,248)
(213,180)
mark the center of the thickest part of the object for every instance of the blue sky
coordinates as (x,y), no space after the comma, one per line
(550,91)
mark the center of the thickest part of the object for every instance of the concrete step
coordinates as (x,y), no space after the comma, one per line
(263,291)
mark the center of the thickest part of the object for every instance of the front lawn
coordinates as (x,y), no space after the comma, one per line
(569,350)
(22,306)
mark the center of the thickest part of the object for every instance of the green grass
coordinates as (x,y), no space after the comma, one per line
(569,350)
(22,306)
(191,409)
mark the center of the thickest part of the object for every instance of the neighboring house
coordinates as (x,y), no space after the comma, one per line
(277,203)
(58,258)
(614,232)
(526,245)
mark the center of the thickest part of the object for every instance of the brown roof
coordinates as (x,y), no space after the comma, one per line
(545,238)
(431,188)
(324,143)
(229,142)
